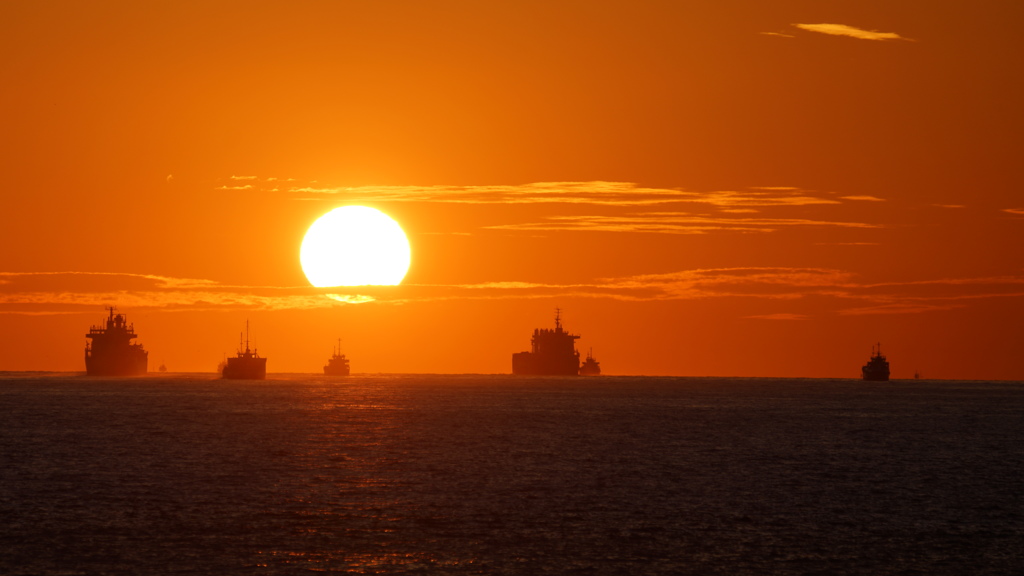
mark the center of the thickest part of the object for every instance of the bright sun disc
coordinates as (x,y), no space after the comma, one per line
(354,246)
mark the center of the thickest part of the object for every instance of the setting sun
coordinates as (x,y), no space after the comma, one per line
(355,246)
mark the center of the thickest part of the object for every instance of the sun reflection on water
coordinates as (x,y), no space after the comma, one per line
(356,562)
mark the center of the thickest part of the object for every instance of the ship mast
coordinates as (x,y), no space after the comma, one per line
(247,336)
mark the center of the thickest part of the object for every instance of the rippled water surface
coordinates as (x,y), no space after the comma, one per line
(187,474)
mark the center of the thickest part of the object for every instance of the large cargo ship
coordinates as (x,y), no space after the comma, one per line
(877,368)
(111,351)
(337,364)
(247,364)
(553,353)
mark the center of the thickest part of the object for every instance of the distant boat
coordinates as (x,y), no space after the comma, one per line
(553,353)
(337,364)
(111,351)
(162,368)
(590,366)
(877,368)
(247,364)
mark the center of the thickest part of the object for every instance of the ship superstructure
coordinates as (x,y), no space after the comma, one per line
(111,352)
(553,353)
(337,364)
(877,368)
(590,366)
(247,364)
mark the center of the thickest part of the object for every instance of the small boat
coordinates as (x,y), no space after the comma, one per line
(877,368)
(337,364)
(590,366)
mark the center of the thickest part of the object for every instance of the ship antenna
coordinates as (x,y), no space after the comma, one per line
(558,318)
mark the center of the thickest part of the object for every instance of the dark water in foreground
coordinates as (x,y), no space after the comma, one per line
(509,475)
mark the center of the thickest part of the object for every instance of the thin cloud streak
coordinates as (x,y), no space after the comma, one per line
(31,292)
(898,308)
(731,205)
(595,193)
(852,32)
(163,281)
(669,223)
(840,290)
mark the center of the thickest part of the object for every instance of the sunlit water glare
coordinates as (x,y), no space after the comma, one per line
(187,474)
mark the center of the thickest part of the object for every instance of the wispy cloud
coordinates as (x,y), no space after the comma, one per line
(64,292)
(669,223)
(864,198)
(852,32)
(1019,211)
(593,193)
(899,308)
(158,280)
(85,292)
(732,207)
(778,34)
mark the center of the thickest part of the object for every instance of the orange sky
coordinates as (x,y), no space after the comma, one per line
(705,188)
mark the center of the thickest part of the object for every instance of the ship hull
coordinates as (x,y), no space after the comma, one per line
(875,375)
(245,369)
(336,371)
(531,364)
(128,363)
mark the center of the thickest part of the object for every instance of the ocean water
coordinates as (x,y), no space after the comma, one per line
(301,474)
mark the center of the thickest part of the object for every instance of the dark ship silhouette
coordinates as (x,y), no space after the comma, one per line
(590,366)
(337,364)
(247,364)
(111,351)
(877,368)
(553,353)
